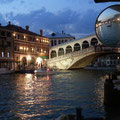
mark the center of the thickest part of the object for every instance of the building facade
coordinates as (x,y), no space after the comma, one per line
(59,38)
(110,60)
(6,49)
(27,49)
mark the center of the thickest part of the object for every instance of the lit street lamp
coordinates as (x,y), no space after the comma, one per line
(39,61)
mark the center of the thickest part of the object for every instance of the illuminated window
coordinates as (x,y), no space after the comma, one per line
(21,48)
(24,37)
(8,54)
(2,54)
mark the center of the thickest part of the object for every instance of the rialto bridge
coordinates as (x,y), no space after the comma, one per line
(77,53)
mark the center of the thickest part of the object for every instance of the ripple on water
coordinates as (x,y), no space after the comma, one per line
(25,96)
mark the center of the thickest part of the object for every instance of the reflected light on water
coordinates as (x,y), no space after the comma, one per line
(46,97)
(100,90)
(34,90)
(28,76)
(47,78)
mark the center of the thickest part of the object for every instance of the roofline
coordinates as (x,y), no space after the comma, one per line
(59,37)
(2,27)
(73,40)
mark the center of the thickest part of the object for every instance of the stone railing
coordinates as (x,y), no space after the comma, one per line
(91,49)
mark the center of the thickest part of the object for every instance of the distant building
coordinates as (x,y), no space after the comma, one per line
(22,47)
(110,60)
(59,38)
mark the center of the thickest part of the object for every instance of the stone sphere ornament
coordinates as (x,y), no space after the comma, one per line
(107,26)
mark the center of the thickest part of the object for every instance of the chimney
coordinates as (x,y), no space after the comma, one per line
(41,32)
(9,23)
(27,27)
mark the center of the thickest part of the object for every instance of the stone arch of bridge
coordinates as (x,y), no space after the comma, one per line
(53,54)
(68,49)
(85,44)
(60,51)
(93,42)
(77,47)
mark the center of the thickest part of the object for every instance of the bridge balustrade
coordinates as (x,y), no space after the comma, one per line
(97,48)
(74,53)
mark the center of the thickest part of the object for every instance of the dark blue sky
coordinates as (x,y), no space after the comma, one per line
(73,16)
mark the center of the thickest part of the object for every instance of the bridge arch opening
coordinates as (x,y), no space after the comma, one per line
(68,49)
(77,47)
(53,54)
(60,51)
(94,41)
(85,44)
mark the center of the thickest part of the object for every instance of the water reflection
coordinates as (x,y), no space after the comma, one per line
(34,97)
(108,26)
(32,92)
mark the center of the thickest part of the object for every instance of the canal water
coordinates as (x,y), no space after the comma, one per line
(28,97)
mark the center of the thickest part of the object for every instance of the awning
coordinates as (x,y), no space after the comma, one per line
(44,57)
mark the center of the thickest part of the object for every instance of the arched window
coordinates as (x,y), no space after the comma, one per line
(51,42)
(68,49)
(77,47)
(24,61)
(55,42)
(53,54)
(59,41)
(85,44)
(94,41)
(65,40)
(60,51)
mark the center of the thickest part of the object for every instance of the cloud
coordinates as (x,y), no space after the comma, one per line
(68,20)
(6,1)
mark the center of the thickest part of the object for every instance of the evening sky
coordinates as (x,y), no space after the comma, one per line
(73,16)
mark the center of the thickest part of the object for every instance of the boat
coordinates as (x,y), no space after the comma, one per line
(43,72)
(5,71)
(109,25)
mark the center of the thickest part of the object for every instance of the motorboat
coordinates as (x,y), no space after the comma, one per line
(5,71)
(44,72)
(109,25)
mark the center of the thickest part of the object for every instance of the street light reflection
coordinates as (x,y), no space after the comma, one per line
(47,78)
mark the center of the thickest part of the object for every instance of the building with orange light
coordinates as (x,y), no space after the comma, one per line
(25,46)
